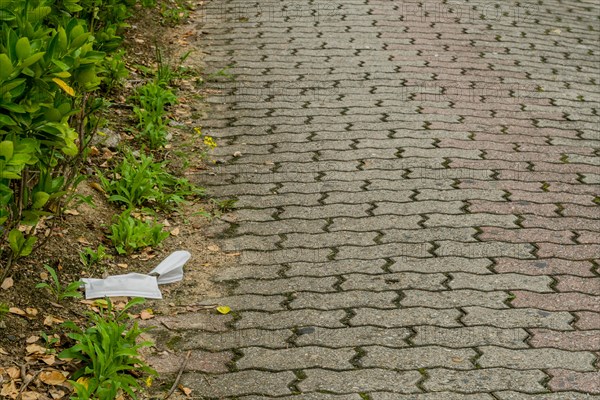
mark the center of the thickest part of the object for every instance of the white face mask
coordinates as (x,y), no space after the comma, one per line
(129,285)
(139,285)
(171,268)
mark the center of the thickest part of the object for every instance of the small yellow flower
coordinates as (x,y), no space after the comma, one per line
(198,130)
(149,381)
(209,142)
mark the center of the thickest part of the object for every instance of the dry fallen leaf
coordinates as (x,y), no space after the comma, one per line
(122,265)
(17,311)
(97,187)
(50,320)
(224,309)
(31,396)
(52,377)
(35,349)
(107,155)
(83,241)
(175,231)
(3,352)
(146,314)
(31,312)
(32,339)
(57,394)
(213,248)
(13,372)
(49,359)
(9,390)
(187,391)
(71,212)
(7,284)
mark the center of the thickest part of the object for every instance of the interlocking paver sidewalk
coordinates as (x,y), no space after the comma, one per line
(419,200)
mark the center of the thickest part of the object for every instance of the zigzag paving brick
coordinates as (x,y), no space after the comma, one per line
(368,196)
(509,395)
(335,267)
(248,271)
(244,302)
(379,222)
(536,359)
(352,337)
(464,194)
(349,299)
(518,318)
(277,339)
(562,379)
(285,256)
(453,298)
(239,383)
(544,267)
(296,358)
(312,396)
(332,239)
(571,340)
(442,264)
(406,317)
(428,235)
(384,250)
(556,301)
(283,226)
(485,249)
(587,320)
(470,336)
(397,281)
(485,380)
(500,282)
(199,361)
(191,321)
(417,214)
(364,380)
(417,357)
(470,220)
(291,319)
(418,207)
(430,396)
(275,286)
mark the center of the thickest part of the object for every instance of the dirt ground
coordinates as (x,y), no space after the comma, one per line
(87,225)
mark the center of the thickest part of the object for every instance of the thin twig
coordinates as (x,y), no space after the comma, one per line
(25,384)
(174,387)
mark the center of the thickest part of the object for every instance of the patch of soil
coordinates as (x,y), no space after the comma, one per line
(87,225)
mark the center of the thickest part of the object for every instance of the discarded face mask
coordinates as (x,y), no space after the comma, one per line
(171,268)
(139,285)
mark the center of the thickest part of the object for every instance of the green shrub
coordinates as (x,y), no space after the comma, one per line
(58,291)
(142,182)
(152,122)
(109,353)
(53,57)
(45,77)
(89,257)
(4,308)
(129,234)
